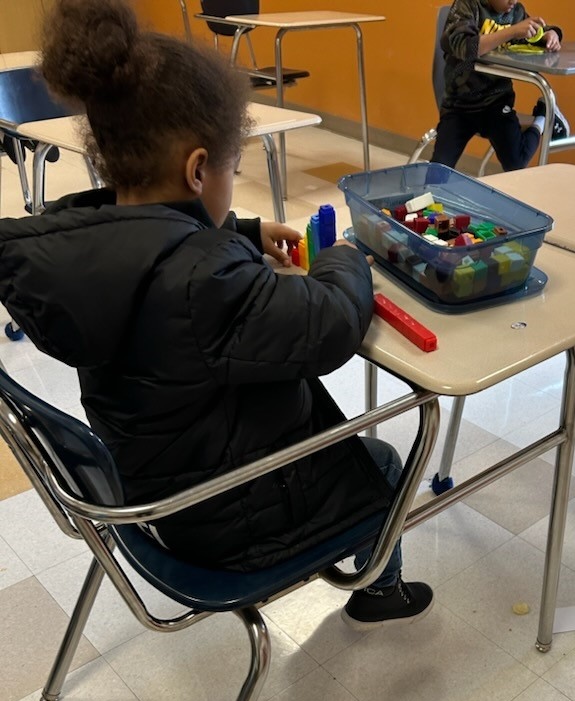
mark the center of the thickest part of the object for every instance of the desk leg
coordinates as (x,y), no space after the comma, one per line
(558,514)
(275,181)
(362,93)
(280,103)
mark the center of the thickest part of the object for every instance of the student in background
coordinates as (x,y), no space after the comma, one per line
(477,103)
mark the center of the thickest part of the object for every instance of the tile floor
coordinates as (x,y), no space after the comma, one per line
(481,556)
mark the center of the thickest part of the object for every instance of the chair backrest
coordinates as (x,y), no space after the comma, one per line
(223,8)
(24,97)
(438,57)
(48,439)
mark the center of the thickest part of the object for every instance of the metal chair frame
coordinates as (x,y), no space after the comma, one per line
(48,444)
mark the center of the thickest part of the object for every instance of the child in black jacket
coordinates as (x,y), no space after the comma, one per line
(477,103)
(194,356)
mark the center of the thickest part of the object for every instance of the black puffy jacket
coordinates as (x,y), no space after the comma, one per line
(194,358)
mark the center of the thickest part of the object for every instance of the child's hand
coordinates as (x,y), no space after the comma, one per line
(273,236)
(552,42)
(528,28)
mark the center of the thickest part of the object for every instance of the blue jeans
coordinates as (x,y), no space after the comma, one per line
(389,462)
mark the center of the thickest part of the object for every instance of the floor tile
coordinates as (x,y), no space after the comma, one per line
(515,501)
(211,657)
(317,686)
(447,544)
(111,623)
(484,594)
(32,628)
(311,616)
(541,691)
(12,569)
(29,529)
(562,677)
(441,658)
(537,536)
(95,681)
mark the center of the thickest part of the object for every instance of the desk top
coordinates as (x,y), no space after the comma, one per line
(65,133)
(556,63)
(19,59)
(308,18)
(534,186)
(479,349)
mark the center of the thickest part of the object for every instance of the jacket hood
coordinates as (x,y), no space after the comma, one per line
(72,277)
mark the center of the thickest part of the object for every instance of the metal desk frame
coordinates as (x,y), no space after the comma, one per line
(504,65)
(249,22)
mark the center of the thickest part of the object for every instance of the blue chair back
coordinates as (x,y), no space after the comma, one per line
(80,459)
(24,97)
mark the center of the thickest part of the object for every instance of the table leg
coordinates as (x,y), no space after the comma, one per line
(362,92)
(558,514)
(280,103)
(275,181)
(362,95)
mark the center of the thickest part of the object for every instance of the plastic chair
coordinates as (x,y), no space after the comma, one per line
(259,77)
(76,478)
(438,89)
(24,97)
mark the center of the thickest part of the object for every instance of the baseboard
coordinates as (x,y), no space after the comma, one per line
(380,137)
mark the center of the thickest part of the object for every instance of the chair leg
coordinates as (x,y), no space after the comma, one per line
(19,153)
(425,140)
(261,653)
(485,161)
(69,644)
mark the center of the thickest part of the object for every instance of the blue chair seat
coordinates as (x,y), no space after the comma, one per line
(225,590)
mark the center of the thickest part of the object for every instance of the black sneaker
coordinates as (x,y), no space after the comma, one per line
(561,128)
(371,607)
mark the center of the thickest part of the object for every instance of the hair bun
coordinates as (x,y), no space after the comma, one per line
(90,49)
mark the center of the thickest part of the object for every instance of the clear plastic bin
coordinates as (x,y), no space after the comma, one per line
(445,275)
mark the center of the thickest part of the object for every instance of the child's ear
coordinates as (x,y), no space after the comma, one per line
(195,171)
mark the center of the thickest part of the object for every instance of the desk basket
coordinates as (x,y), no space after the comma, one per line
(465,275)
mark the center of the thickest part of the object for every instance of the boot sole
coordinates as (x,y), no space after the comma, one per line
(362,626)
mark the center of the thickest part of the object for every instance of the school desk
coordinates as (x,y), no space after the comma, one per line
(519,335)
(18,59)
(532,68)
(267,121)
(284,22)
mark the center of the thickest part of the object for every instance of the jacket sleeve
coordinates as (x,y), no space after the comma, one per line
(254,325)
(460,36)
(250,228)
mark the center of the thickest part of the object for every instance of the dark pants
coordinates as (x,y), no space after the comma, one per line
(498,123)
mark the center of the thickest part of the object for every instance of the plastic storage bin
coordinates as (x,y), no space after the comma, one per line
(466,275)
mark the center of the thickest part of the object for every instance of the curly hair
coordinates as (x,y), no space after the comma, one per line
(143,92)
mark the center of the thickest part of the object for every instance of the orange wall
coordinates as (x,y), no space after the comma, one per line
(397,57)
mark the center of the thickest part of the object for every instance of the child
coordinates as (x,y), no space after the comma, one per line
(477,103)
(194,356)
